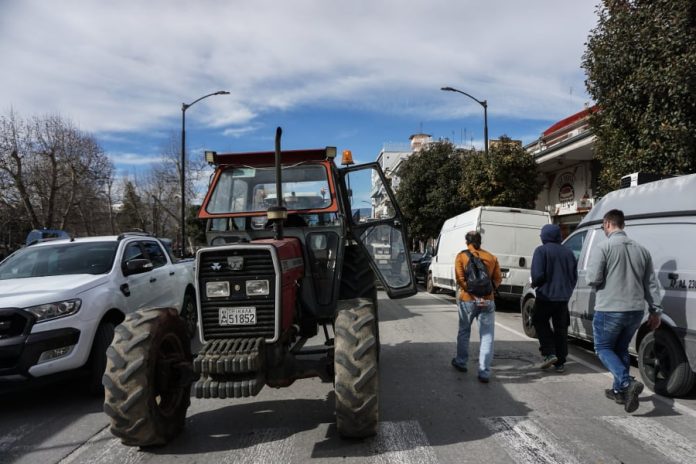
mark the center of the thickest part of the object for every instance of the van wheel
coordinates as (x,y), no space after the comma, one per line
(429,286)
(356,369)
(527,318)
(663,364)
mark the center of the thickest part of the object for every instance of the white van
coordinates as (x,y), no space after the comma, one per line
(511,234)
(661,216)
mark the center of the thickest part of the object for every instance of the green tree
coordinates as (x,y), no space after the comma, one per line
(427,193)
(133,213)
(641,70)
(506,177)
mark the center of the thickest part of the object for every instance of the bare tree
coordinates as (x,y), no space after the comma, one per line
(55,171)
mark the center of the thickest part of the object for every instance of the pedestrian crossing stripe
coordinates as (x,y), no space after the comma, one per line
(672,445)
(526,442)
(402,443)
(395,443)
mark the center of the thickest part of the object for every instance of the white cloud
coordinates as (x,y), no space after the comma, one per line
(128,65)
(134,159)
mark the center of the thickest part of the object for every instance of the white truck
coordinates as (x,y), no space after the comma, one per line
(511,234)
(60,300)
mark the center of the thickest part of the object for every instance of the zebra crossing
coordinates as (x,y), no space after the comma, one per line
(521,439)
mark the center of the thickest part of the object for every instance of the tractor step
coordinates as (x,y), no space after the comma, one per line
(225,356)
(237,388)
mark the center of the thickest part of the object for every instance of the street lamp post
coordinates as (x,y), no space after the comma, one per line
(184,107)
(483,103)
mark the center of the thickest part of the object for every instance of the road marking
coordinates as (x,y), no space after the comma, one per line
(262,447)
(653,435)
(110,451)
(526,443)
(669,402)
(402,442)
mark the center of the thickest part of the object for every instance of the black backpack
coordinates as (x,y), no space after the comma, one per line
(478,282)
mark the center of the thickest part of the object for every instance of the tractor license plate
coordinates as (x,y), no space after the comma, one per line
(237,316)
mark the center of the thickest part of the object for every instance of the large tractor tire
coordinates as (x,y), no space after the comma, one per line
(663,364)
(356,369)
(357,277)
(189,314)
(527,318)
(146,386)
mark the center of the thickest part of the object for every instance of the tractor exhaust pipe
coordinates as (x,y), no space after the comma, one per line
(278,213)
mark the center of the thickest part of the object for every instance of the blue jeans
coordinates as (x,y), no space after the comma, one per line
(613,331)
(485,314)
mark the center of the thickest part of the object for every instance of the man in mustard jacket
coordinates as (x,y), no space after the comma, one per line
(473,307)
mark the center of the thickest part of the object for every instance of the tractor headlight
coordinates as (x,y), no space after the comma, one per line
(257,287)
(48,311)
(217,289)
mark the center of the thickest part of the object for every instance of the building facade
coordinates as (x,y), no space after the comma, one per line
(565,160)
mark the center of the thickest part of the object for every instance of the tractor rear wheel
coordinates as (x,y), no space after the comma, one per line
(357,278)
(146,386)
(356,369)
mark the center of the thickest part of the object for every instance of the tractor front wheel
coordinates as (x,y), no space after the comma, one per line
(356,368)
(147,382)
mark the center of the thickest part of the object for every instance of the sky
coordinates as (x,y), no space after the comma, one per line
(352,74)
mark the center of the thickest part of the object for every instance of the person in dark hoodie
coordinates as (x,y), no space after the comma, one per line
(554,274)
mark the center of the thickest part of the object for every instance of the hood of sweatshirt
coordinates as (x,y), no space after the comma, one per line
(551,233)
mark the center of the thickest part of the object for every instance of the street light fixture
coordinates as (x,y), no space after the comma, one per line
(483,103)
(184,107)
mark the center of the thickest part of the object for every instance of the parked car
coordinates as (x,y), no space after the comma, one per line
(420,262)
(662,217)
(40,235)
(511,234)
(60,300)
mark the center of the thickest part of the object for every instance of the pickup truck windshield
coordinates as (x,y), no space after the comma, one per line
(251,189)
(60,259)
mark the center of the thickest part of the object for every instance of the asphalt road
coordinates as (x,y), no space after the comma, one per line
(430,413)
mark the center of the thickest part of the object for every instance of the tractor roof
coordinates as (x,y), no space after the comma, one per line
(267,158)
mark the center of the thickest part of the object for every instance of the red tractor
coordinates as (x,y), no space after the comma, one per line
(293,241)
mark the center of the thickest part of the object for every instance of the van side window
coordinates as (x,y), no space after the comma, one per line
(574,243)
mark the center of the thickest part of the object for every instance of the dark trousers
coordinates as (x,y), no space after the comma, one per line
(552,341)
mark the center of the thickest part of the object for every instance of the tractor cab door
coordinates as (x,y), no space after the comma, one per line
(376,223)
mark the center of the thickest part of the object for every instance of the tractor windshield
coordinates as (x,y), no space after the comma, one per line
(252,189)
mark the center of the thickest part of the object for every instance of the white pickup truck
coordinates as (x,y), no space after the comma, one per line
(60,300)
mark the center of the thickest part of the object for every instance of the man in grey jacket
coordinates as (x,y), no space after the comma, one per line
(621,271)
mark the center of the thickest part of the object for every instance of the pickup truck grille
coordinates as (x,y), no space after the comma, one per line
(213,265)
(13,322)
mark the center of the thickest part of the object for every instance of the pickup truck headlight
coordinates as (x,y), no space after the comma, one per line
(256,287)
(48,311)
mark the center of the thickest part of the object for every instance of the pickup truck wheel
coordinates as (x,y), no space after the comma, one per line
(663,364)
(97,357)
(147,382)
(527,316)
(356,369)
(189,314)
